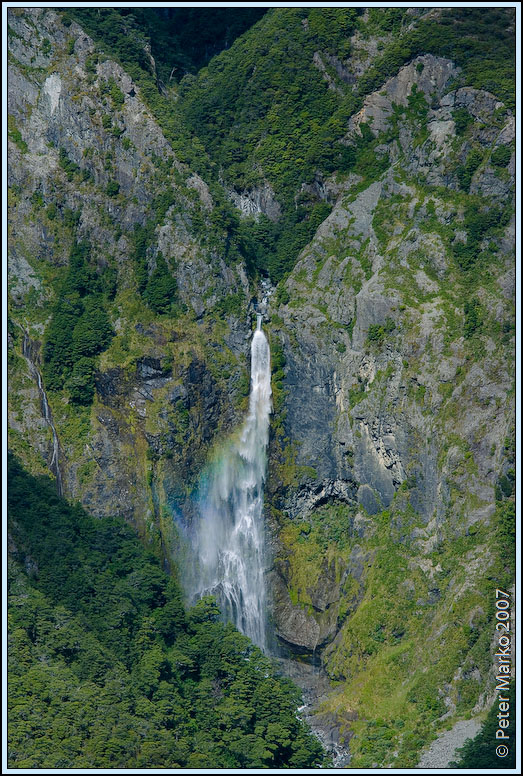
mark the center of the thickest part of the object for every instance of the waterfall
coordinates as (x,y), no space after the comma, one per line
(31,358)
(229,539)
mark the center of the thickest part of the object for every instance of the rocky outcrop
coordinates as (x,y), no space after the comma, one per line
(428,75)
(256,201)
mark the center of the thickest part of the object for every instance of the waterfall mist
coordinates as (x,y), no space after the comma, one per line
(229,538)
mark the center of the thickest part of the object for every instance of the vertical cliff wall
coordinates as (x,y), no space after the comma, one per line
(396,416)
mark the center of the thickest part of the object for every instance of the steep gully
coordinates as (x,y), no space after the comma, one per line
(30,353)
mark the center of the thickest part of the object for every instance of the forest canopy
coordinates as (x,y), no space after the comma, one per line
(108,669)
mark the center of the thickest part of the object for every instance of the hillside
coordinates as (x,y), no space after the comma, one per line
(354,169)
(105,663)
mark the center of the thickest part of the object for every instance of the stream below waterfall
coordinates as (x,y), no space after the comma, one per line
(316,687)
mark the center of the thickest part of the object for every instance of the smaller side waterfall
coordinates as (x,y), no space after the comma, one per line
(54,465)
(229,541)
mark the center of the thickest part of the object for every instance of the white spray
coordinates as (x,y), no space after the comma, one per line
(229,540)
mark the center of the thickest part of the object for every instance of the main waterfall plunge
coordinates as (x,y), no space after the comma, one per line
(229,539)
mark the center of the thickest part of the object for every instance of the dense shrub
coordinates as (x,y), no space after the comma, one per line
(182,39)
(80,384)
(69,167)
(479,223)
(501,156)
(93,331)
(15,135)
(112,189)
(462,120)
(378,331)
(79,328)
(466,171)
(473,318)
(115,93)
(161,288)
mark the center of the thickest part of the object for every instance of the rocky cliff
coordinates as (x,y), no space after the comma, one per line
(403,408)
(391,455)
(164,389)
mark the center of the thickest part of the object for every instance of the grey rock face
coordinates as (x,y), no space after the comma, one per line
(431,79)
(313,397)
(311,495)
(371,418)
(257,201)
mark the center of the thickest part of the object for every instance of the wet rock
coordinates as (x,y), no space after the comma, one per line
(310,496)
(110,385)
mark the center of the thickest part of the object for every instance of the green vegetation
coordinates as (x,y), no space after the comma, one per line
(315,553)
(161,290)
(15,135)
(382,21)
(480,40)
(73,170)
(67,165)
(112,189)
(269,247)
(115,93)
(395,649)
(479,752)
(501,156)
(362,157)
(262,110)
(79,328)
(462,120)
(182,40)
(107,669)
(466,171)
(480,221)
(474,314)
(141,238)
(229,305)
(377,332)
(262,99)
